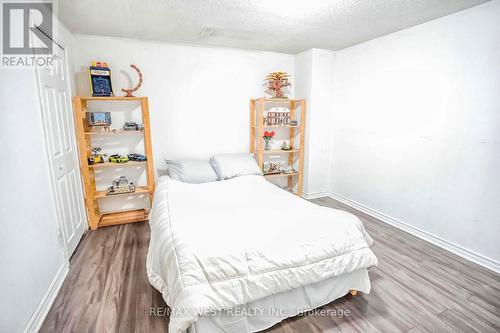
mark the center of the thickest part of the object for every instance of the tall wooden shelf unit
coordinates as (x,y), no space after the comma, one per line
(92,196)
(257,128)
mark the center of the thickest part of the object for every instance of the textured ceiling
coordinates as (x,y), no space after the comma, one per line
(288,26)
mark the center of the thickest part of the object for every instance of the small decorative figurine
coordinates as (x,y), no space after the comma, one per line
(267,139)
(276,81)
(97,156)
(286,146)
(120,185)
(130,91)
(273,168)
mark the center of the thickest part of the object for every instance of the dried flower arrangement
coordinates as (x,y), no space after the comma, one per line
(276,81)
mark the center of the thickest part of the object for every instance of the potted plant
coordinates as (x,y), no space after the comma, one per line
(267,138)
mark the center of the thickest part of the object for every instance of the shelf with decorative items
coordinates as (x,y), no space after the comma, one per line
(92,126)
(289,123)
(281,151)
(118,165)
(281,175)
(114,132)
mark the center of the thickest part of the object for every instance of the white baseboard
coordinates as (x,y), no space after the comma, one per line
(315,195)
(43,308)
(475,257)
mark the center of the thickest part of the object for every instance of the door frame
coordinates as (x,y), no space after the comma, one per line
(46,136)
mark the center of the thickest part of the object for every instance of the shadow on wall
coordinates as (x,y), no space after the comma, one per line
(82,82)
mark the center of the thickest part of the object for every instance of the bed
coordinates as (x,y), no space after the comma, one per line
(240,255)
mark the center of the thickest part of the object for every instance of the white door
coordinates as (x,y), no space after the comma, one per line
(55,100)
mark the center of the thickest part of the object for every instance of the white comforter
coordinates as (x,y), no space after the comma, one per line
(218,245)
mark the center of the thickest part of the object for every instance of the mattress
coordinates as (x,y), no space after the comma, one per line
(219,245)
(266,312)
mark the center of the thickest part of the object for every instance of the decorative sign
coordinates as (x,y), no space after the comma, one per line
(100,79)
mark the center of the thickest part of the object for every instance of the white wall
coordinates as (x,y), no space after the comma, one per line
(417,128)
(199,96)
(314,81)
(31,260)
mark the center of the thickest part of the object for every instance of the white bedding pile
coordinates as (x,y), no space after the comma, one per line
(222,244)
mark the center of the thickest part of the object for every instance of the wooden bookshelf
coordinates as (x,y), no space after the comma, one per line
(85,135)
(297,108)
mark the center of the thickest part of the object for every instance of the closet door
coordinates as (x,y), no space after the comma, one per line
(55,101)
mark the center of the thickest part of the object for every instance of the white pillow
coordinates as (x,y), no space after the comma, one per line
(234,165)
(192,171)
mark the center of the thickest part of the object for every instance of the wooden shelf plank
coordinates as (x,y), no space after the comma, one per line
(279,126)
(113,98)
(281,175)
(120,132)
(110,219)
(117,165)
(280,151)
(138,190)
(279,100)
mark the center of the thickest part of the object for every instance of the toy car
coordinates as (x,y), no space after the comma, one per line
(116,158)
(130,126)
(120,185)
(137,157)
(96,156)
(133,126)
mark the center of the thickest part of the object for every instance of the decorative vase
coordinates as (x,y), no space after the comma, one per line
(267,145)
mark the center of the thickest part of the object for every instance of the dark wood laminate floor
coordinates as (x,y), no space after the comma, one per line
(417,287)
